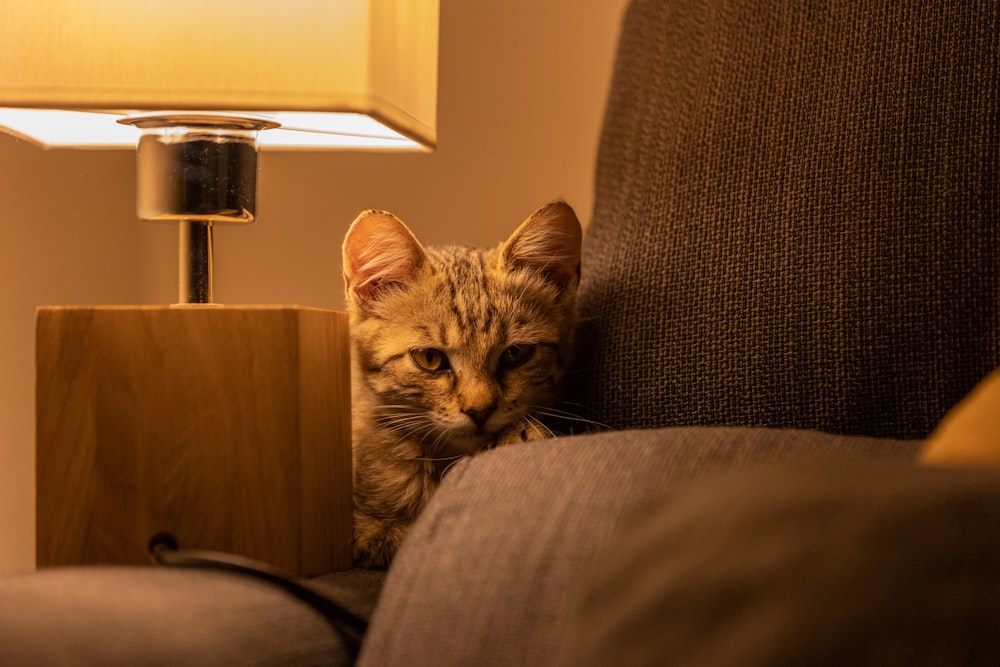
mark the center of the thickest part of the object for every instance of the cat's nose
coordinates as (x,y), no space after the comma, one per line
(479,415)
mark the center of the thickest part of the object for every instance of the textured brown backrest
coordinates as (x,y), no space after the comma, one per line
(796,221)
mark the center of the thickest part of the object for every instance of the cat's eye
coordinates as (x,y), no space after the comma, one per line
(430,359)
(516,355)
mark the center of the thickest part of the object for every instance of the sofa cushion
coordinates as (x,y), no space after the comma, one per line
(854,565)
(494,568)
(796,217)
(152,617)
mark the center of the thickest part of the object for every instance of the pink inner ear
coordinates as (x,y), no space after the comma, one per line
(379,249)
(548,242)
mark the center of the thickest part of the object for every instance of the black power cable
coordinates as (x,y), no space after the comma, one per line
(166,551)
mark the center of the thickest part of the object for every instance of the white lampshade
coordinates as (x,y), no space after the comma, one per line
(333,73)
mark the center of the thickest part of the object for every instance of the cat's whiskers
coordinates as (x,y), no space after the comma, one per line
(415,425)
(537,424)
(432,451)
(568,416)
(436,446)
(391,415)
(395,409)
(454,458)
(409,424)
(448,467)
(420,432)
(401,421)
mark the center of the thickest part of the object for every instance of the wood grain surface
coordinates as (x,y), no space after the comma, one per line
(227,426)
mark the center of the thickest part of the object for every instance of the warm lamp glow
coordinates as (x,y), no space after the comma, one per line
(334,74)
(196,86)
(52,128)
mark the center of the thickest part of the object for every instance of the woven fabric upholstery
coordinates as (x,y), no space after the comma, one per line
(494,569)
(796,218)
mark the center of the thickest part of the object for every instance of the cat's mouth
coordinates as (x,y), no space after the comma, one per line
(466,443)
(470,439)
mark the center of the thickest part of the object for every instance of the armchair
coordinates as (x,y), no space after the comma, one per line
(792,274)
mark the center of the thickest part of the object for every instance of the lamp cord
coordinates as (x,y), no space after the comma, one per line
(165,550)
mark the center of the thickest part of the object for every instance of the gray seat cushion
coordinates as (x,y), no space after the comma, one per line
(834,565)
(494,569)
(154,617)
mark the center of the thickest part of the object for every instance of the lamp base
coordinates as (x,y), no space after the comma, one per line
(225,426)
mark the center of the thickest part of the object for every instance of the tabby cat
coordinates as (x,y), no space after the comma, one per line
(455,350)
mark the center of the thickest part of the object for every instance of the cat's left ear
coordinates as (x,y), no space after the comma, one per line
(547,243)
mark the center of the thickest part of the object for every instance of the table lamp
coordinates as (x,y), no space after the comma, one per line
(227,426)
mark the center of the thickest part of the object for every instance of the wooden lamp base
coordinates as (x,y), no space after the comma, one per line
(225,426)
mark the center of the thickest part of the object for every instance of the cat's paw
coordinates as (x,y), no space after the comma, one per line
(524,431)
(376,541)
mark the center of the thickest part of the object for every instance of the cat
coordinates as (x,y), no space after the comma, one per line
(454,351)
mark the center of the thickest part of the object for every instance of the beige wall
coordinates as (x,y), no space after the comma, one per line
(522,86)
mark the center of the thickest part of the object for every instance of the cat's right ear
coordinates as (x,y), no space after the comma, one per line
(380,253)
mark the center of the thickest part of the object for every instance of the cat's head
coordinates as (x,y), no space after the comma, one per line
(456,346)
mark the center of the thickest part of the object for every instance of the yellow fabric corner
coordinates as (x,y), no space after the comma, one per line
(969,434)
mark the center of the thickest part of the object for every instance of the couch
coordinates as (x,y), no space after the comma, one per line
(792,275)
